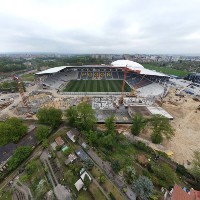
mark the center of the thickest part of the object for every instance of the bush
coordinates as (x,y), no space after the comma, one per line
(112,196)
(142,146)
(156,138)
(183,171)
(165,174)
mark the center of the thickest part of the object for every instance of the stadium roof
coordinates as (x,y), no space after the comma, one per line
(136,66)
(52,70)
(119,63)
(127,63)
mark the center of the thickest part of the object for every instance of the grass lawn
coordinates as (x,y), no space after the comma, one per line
(6,195)
(96,172)
(96,192)
(96,86)
(28,77)
(112,189)
(84,195)
(108,185)
(166,70)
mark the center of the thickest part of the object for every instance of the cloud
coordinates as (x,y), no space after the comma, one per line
(100,26)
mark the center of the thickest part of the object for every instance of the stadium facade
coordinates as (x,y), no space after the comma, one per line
(195,77)
(136,74)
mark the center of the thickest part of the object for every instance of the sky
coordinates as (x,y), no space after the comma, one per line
(100,26)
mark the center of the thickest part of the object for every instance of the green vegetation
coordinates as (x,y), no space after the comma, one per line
(5,195)
(42,133)
(195,170)
(50,116)
(110,125)
(165,174)
(95,192)
(12,130)
(81,116)
(9,65)
(96,86)
(34,177)
(161,129)
(166,70)
(138,123)
(84,195)
(19,155)
(130,174)
(88,164)
(86,181)
(28,77)
(8,86)
(143,187)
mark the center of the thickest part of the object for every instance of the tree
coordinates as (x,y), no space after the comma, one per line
(88,164)
(196,165)
(165,174)
(116,166)
(86,181)
(110,125)
(102,178)
(12,130)
(91,137)
(86,116)
(50,116)
(72,115)
(138,123)
(81,116)
(31,167)
(130,174)
(143,187)
(45,143)
(19,155)
(107,141)
(42,133)
(161,128)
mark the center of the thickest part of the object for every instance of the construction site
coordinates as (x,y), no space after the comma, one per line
(147,98)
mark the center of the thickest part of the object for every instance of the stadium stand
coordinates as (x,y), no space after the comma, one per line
(57,79)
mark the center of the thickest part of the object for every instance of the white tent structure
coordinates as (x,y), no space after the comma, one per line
(135,67)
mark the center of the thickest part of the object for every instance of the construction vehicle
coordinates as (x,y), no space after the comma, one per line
(178,93)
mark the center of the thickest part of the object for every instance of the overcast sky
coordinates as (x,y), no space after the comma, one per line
(100,26)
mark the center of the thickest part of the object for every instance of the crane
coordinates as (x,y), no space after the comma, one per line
(126,70)
(133,92)
(20,88)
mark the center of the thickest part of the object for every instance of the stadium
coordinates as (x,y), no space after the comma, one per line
(121,76)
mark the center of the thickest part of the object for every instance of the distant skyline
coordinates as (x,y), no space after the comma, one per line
(100,26)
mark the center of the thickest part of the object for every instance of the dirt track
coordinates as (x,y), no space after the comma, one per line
(187,127)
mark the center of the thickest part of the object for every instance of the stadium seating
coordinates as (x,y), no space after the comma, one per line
(108,75)
(115,75)
(56,80)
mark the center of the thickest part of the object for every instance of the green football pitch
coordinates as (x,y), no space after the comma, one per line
(96,86)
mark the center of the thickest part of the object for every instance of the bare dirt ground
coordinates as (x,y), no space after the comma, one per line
(186,124)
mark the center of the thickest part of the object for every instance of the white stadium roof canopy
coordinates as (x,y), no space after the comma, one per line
(52,70)
(116,64)
(136,66)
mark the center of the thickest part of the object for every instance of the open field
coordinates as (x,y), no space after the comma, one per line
(96,86)
(28,77)
(166,70)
